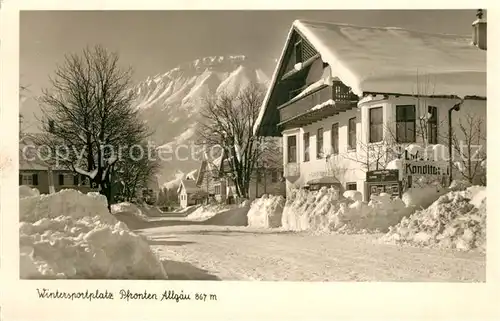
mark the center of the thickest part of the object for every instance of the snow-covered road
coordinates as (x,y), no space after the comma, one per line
(239,253)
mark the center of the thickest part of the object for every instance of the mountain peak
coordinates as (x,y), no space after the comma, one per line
(171,102)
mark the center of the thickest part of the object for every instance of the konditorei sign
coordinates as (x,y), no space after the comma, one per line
(425,168)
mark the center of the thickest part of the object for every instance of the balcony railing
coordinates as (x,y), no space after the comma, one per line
(291,170)
(338,93)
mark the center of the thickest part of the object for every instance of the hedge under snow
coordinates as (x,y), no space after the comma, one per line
(72,235)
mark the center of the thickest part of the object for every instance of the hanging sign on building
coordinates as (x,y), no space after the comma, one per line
(425,168)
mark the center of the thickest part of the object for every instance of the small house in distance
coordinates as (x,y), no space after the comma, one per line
(189,193)
(267,178)
(339,91)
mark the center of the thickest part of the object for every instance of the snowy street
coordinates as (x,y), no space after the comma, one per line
(240,253)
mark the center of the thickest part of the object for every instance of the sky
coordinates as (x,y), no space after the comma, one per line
(153,42)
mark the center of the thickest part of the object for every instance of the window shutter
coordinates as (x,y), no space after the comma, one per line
(75,180)
(306,147)
(20,179)
(61,179)
(352,133)
(319,143)
(335,138)
(35,179)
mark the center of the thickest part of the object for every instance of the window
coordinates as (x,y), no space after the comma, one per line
(405,124)
(274,176)
(75,180)
(259,177)
(335,138)
(352,133)
(306,147)
(432,127)
(352,186)
(319,143)
(66,179)
(292,149)
(376,124)
(217,190)
(298,52)
(28,179)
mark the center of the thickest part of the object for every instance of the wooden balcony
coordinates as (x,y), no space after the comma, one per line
(291,170)
(301,111)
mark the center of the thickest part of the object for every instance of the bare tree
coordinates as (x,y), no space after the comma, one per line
(136,171)
(375,156)
(227,122)
(88,116)
(469,148)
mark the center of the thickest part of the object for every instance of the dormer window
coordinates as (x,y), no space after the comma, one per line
(298,52)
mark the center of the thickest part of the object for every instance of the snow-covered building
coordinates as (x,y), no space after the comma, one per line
(189,193)
(35,172)
(215,179)
(340,90)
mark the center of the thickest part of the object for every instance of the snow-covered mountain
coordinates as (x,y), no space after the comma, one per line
(171,102)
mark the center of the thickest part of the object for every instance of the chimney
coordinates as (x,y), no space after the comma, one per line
(479,31)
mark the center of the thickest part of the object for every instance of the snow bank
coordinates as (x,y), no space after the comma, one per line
(26,191)
(459,185)
(221,214)
(266,212)
(72,235)
(422,197)
(353,195)
(207,211)
(456,220)
(324,211)
(128,208)
(235,216)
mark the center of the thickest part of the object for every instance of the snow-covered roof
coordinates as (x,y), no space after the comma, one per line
(189,186)
(30,157)
(192,175)
(388,60)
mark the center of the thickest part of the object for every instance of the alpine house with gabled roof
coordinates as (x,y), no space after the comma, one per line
(338,87)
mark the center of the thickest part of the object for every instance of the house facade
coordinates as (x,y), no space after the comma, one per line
(341,96)
(214,179)
(36,173)
(189,193)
